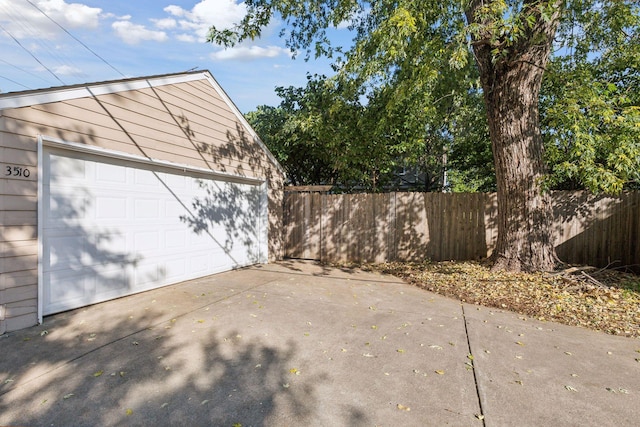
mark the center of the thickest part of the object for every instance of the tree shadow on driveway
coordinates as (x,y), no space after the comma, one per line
(182,371)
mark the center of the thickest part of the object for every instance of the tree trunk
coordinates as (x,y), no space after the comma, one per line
(511,85)
(525,235)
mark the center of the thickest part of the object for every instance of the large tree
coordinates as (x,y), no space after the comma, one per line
(510,42)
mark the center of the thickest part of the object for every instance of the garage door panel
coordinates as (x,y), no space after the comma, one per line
(175,268)
(147,179)
(147,208)
(66,252)
(175,182)
(146,241)
(110,282)
(175,239)
(147,272)
(114,227)
(67,286)
(63,168)
(67,206)
(114,243)
(198,263)
(108,173)
(110,208)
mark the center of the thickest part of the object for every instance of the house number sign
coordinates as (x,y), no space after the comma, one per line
(11,171)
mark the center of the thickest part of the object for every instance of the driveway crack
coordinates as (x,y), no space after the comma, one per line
(481,415)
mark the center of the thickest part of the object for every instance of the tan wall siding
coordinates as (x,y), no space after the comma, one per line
(18,235)
(186,123)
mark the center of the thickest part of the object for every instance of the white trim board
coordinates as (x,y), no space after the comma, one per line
(46,96)
(103,152)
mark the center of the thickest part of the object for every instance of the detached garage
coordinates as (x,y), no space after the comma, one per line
(113,188)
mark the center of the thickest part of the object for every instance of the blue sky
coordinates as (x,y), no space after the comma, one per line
(140,38)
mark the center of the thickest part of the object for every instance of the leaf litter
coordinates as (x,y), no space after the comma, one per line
(604,300)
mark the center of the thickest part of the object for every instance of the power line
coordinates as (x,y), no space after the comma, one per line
(32,55)
(24,71)
(15,82)
(76,39)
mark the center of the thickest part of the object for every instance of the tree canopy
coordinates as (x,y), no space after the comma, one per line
(558,79)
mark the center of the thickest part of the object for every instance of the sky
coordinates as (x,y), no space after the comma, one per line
(134,38)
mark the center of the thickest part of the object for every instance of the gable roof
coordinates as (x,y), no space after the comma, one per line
(63,93)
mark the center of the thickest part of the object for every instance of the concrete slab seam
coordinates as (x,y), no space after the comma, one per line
(473,367)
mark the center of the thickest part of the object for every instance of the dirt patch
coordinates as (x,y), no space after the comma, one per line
(603,300)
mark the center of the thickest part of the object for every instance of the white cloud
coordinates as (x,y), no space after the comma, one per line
(165,24)
(208,13)
(188,38)
(132,33)
(68,70)
(175,10)
(23,20)
(249,52)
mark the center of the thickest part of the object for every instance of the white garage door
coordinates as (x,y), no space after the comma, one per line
(115,227)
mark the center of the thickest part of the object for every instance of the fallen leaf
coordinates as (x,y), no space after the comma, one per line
(402,407)
(98,373)
(129,411)
(294,371)
(400,350)
(164,405)
(43,333)
(436,347)
(570,388)
(439,372)
(68,396)
(480,416)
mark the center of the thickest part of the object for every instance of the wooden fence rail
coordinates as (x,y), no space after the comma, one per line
(594,230)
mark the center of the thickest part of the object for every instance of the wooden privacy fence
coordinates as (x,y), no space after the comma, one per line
(595,230)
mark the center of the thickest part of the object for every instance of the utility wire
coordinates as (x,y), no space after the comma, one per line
(32,55)
(41,46)
(76,39)
(15,82)
(24,71)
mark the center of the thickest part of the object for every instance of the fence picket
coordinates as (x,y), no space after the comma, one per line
(595,230)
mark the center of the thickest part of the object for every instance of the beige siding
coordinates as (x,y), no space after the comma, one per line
(187,123)
(18,236)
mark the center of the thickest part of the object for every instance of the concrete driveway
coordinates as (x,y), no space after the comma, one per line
(295,343)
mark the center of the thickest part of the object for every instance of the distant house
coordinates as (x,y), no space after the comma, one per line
(117,187)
